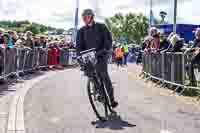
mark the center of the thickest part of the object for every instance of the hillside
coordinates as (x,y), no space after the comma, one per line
(23,26)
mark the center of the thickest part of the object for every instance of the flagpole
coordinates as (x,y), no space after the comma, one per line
(76,22)
(175,16)
(151,13)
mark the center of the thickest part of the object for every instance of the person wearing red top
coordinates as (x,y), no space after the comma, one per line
(155,42)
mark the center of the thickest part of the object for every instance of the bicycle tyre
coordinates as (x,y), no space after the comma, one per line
(101,118)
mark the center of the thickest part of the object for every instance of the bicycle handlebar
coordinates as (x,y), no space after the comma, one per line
(87,51)
(97,53)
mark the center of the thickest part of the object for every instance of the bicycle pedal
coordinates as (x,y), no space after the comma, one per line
(100,99)
(114,116)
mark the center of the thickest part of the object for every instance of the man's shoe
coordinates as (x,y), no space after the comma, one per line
(114,104)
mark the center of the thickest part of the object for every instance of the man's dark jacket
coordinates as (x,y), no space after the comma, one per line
(97,36)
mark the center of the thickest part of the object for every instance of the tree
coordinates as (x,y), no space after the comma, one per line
(133,26)
(23,26)
(43,29)
(33,29)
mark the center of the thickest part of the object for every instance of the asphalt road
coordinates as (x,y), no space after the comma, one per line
(60,105)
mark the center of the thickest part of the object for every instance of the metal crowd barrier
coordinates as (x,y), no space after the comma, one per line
(42,58)
(72,57)
(9,66)
(168,68)
(64,57)
(19,60)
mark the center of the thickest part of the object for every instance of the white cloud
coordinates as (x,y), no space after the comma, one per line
(60,13)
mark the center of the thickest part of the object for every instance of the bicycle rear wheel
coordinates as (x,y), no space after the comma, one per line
(98,101)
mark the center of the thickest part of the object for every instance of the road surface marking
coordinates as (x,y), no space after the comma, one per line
(165,131)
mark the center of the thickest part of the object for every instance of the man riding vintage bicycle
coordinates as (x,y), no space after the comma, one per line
(96,36)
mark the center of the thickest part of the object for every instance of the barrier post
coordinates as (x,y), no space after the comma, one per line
(183,69)
(172,67)
(149,62)
(4,64)
(18,62)
(37,52)
(183,73)
(46,58)
(162,67)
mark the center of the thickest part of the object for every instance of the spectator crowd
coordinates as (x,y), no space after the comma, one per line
(9,39)
(157,42)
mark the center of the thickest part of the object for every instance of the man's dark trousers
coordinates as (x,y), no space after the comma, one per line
(102,70)
(125,58)
(194,60)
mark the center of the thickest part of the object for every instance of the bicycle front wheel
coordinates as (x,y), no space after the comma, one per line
(97,100)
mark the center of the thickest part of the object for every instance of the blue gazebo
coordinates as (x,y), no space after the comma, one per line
(184,30)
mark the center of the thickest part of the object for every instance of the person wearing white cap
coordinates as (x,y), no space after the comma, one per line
(176,43)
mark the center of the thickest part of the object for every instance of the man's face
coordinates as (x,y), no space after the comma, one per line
(87,19)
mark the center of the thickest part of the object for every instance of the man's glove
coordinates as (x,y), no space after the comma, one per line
(80,61)
(82,68)
(103,54)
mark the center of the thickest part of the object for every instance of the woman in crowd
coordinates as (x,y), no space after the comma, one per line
(147,44)
(13,36)
(5,40)
(155,42)
(37,41)
(29,40)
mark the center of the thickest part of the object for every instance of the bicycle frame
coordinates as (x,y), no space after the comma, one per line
(90,72)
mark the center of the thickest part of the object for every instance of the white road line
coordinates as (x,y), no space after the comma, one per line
(165,131)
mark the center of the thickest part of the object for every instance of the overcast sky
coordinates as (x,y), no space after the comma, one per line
(60,13)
